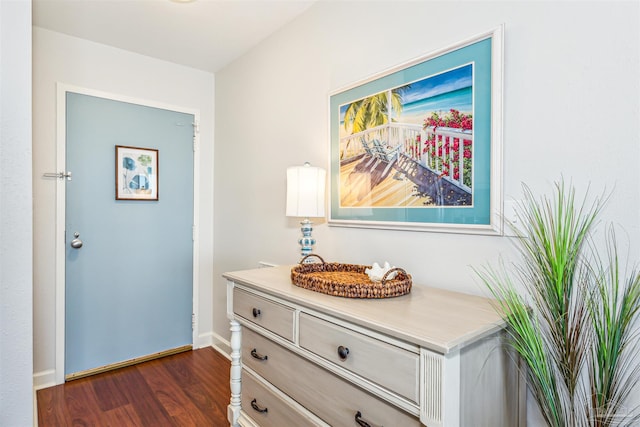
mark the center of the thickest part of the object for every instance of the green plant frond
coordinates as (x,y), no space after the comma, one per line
(523,332)
(625,378)
(614,309)
(573,318)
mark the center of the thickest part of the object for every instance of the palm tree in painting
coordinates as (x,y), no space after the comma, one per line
(373,111)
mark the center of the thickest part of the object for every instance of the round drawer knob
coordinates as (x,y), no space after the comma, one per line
(343,352)
(256,312)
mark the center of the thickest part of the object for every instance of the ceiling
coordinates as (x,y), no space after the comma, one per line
(202,34)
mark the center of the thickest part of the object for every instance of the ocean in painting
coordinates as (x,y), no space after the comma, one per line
(451,89)
(416,112)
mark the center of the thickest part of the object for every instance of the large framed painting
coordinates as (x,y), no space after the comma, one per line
(419,147)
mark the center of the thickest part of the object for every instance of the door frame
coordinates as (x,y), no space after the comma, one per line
(60,254)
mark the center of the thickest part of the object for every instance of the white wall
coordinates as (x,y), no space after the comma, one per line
(571,108)
(73,61)
(16,393)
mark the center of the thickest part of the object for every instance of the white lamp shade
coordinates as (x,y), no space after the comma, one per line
(305,191)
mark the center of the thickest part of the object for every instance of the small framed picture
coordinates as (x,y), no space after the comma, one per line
(136,173)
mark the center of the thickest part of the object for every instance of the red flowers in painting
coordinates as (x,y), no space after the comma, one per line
(443,152)
(454,119)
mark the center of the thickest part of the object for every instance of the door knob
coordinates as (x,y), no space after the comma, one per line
(76,243)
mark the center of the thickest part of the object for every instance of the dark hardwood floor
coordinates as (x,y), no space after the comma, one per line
(186,389)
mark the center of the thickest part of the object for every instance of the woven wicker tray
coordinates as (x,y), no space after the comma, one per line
(348,280)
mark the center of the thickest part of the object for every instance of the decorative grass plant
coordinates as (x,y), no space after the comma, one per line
(571,313)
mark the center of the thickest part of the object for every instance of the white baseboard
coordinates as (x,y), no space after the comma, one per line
(44,379)
(223,350)
(211,339)
(204,340)
(35,408)
(222,345)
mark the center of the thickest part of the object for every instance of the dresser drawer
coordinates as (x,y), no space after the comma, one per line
(275,317)
(330,397)
(392,367)
(268,409)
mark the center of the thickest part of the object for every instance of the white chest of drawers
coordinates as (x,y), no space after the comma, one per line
(431,357)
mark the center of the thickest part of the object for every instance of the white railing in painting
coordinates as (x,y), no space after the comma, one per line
(445,155)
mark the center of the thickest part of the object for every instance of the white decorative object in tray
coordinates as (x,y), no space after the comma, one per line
(376,273)
(303,358)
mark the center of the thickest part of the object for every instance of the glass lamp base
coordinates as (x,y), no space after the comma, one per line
(306,241)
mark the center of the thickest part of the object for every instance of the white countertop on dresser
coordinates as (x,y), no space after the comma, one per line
(436,319)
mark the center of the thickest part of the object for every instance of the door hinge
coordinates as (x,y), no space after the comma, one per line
(196,127)
(193,321)
(195,145)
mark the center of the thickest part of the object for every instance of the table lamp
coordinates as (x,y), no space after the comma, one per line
(305,199)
